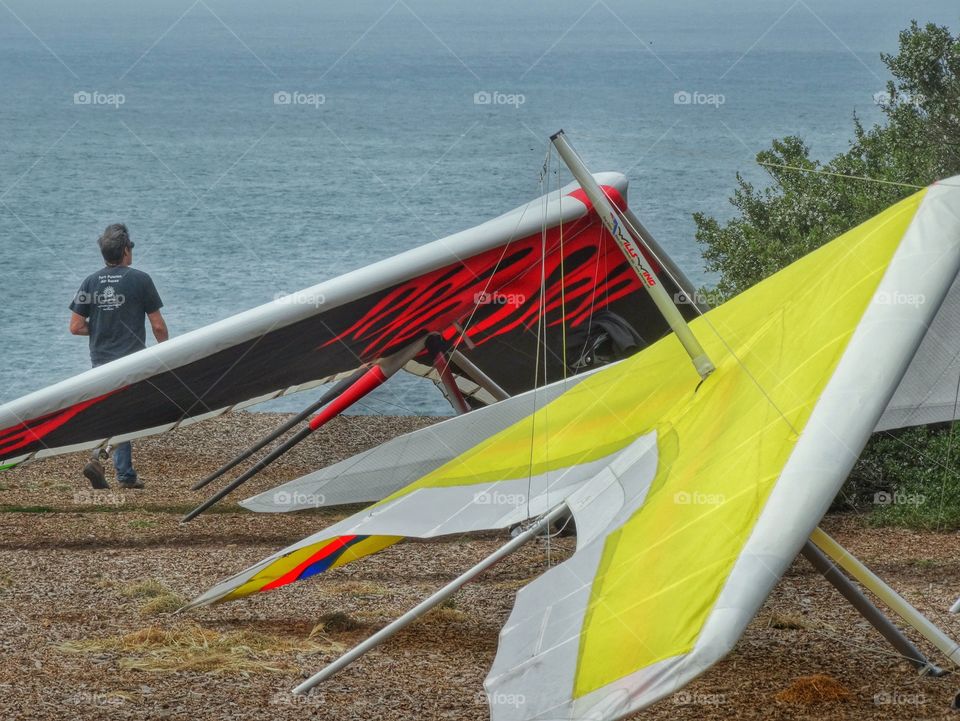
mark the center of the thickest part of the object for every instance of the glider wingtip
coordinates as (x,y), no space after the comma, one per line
(204,599)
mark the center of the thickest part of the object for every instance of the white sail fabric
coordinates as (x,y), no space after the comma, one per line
(539,643)
(928,392)
(376,473)
(437,511)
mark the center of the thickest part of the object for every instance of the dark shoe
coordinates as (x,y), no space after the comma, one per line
(135,483)
(93,472)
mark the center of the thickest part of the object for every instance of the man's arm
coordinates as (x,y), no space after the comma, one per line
(159,326)
(78,325)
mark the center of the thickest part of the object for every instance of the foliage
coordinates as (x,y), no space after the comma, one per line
(910,478)
(917,143)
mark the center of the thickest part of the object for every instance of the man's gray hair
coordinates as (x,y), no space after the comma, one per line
(114,243)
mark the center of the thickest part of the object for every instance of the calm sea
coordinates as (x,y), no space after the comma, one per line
(407,121)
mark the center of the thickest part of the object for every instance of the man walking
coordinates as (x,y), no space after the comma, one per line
(111,307)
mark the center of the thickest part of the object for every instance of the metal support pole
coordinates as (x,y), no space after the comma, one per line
(866,609)
(450,389)
(631,251)
(420,609)
(372,378)
(890,598)
(478,376)
(337,389)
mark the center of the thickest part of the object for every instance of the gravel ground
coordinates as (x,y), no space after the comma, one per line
(87,584)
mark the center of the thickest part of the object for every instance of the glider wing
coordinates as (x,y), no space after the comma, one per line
(691,498)
(547,262)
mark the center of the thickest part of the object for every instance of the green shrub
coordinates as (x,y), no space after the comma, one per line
(918,142)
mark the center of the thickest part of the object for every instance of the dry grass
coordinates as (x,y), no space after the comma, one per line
(145,588)
(512,584)
(790,621)
(812,690)
(194,648)
(448,615)
(446,612)
(336,623)
(162,604)
(104,582)
(158,598)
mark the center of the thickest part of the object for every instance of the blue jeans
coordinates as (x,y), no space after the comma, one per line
(123,462)
(123,459)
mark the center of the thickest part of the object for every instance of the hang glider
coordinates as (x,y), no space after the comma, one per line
(691,494)
(480,293)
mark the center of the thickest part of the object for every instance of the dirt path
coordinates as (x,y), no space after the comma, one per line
(86,589)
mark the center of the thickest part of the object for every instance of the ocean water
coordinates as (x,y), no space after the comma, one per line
(165,116)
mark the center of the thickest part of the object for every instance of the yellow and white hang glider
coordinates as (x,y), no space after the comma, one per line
(693,485)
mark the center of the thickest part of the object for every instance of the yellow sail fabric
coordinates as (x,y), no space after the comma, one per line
(775,347)
(663,570)
(722,445)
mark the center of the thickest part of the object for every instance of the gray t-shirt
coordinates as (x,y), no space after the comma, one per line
(115,301)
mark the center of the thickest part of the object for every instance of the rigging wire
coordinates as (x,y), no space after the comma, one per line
(486,287)
(563,336)
(543,316)
(946,466)
(536,361)
(840,175)
(563,279)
